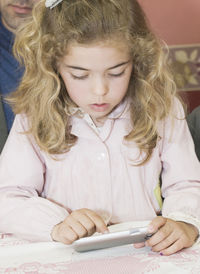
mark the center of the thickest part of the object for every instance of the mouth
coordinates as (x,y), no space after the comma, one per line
(21,9)
(99,107)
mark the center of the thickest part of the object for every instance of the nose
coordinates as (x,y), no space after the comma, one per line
(100,86)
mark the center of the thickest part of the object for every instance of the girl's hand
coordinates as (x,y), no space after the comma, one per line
(80,223)
(170,236)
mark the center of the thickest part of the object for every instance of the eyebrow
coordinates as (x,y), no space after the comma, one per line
(85,69)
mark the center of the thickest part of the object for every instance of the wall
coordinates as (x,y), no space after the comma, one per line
(177,22)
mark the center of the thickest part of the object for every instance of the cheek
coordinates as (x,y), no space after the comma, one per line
(74,90)
(124,86)
(119,88)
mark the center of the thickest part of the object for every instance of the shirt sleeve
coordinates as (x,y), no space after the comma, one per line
(22,171)
(181,171)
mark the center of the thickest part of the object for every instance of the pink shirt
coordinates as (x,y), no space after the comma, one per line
(37,192)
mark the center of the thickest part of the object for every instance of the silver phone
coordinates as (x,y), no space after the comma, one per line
(111,239)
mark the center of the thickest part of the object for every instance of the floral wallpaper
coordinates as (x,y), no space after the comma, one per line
(185,62)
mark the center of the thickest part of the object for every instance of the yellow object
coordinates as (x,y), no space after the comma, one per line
(157,193)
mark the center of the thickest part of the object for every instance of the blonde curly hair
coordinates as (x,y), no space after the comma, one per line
(42,95)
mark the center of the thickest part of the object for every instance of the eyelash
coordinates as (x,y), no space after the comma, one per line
(117,75)
(85,76)
(79,77)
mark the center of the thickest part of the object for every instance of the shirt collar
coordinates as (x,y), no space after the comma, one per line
(78,116)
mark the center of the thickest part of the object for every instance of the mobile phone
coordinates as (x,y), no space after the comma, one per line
(112,239)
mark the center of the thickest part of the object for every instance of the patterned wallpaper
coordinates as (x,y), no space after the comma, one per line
(185,61)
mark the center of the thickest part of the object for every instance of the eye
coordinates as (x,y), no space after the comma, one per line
(116,74)
(79,77)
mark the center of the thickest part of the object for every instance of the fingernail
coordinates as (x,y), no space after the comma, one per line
(161,254)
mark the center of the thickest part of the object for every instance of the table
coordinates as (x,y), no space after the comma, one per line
(20,256)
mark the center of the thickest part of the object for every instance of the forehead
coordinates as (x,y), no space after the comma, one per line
(108,51)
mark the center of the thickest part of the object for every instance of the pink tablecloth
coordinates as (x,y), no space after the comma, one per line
(17,256)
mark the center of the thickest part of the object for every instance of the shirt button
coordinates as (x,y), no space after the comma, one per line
(101,156)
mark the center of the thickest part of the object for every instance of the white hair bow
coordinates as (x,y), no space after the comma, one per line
(52,3)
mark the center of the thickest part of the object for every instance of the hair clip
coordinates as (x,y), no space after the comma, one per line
(52,3)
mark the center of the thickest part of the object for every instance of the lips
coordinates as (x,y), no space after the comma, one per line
(21,9)
(99,107)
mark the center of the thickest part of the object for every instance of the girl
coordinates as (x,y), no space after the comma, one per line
(97,127)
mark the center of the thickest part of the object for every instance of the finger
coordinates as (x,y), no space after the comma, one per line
(156,223)
(75,224)
(98,221)
(65,234)
(139,245)
(164,244)
(159,236)
(82,224)
(175,247)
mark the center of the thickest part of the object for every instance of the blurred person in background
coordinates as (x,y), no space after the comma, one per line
(193,120)
(12,14)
